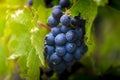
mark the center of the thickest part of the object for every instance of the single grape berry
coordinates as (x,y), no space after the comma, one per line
(60,39)
(75,21)
(71,36)
(64,3)
(79,33)
(60,50)
(52,21)
(49,49)
(57,13)
(68,57)
(78,53)
(64,28)
(55,59)
(55,31)
(70,47)
(49,39)
(65,20)
(30,2)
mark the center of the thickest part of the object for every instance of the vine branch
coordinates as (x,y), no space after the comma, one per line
(43,25)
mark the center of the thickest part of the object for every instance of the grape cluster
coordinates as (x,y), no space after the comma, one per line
(64,45)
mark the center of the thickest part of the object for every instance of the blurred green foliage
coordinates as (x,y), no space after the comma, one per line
(21,38)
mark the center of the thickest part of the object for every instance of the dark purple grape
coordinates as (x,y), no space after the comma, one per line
(71,36)
(60,50)
(65,20)
(75,21)
(78,53)
(68,57)
(55,59)
(60,39)
(60,67)
(82,22)
(49,49)
(50,39)
(55,31)
(64,28)
(79,33)
(52,21)
(70,47)
(64,3)
(57,13)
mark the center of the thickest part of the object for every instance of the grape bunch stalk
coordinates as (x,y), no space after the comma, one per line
(64,45)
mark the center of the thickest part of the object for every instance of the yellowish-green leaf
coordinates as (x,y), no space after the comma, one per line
(33,64)
(37,40)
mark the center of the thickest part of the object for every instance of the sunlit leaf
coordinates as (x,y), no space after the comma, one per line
(33,64)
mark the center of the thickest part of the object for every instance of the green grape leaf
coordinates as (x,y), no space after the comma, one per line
(16,3)
(19,20)
(107,48)
(2,20)
(17,31)
(88,10)
(37,3)
(37,40)
(38,33)
(45,12)
(19,45)
(22,62)
(3,66)
(33,64)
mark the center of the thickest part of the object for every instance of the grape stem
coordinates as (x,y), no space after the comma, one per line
(43,25)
